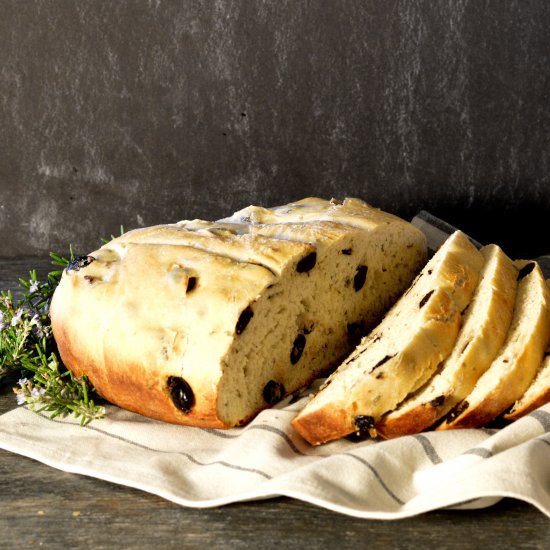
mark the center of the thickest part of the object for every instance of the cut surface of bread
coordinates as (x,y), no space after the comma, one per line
(516,364)
(401,353)
(206,323)
(484,328)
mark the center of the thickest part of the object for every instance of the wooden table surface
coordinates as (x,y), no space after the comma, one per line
(42,506)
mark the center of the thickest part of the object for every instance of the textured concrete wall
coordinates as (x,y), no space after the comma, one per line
(141,112)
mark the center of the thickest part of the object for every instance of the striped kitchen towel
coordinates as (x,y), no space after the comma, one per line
(392,479)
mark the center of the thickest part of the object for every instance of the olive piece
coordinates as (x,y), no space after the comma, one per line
(424,300)
(191,284)
(79,263)
(273,392)
(360,277)
(437,401)
(307,263)
(181,393)
(382,361)
(364,422)
(297,348)
(525,270)
(244,319)
(457,410)
(356,331)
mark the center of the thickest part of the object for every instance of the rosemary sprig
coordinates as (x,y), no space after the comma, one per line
(27,349)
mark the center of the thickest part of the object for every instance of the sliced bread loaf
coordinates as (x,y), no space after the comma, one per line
(206,324)
(402,353)
(484,329)
(516,364)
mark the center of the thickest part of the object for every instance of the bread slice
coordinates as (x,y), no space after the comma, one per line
(402,352)
(517,362)
(207,323)
(537,394)
(484,329)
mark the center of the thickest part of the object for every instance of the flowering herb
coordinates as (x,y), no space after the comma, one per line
(28,350)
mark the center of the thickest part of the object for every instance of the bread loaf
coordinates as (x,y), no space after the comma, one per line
(402,353)
(206,324)
(484,329)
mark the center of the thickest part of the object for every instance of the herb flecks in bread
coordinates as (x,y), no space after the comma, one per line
(206,324)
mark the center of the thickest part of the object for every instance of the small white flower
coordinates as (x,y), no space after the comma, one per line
(21,400)
(34,286)
(22,381)
(37,392)
(37,327)
(16,319)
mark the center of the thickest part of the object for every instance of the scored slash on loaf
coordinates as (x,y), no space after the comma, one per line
(207,323)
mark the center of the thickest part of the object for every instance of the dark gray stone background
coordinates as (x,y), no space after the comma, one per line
(142,112)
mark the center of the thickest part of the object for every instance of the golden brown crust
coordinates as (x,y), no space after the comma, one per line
(323,425)
(476,417)
(542,399)
(420,418)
